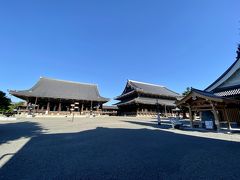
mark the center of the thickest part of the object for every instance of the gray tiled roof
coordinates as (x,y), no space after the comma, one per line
(152,89)
(206,95)
(52,88)
(231,92)
(149,101)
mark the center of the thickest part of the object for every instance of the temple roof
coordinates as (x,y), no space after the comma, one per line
(60,89)
(149,101)
(147,88)
(228,80)
(230,92)
(195,93)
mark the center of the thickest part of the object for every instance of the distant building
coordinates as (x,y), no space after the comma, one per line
(58,96)
(219,103)
(109,110)
(139,98)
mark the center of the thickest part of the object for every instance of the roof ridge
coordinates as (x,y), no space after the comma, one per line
(147,83)
(68,81)
(172,91)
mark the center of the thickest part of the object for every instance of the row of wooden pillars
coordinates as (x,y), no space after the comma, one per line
(80,109)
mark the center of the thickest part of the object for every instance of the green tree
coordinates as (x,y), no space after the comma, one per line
(187,91)
(15,106)
(5,102)
(184,109)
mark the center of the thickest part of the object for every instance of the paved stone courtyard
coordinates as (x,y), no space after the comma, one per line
(113,148)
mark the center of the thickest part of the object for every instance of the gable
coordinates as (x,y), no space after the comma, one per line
(233,80)
(225,77)
(127,89)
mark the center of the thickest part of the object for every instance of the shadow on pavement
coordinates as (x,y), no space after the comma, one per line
(13,131)
(167,125)
(151,124)
(105,153)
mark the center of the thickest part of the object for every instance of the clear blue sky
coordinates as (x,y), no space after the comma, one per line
(169,42)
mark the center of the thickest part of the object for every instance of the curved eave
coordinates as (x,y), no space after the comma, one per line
(204,95)
(124,95)
(148,101)
(26,94)
(104,100)
(146,93)
(159,95)
(125,103)
(226,88)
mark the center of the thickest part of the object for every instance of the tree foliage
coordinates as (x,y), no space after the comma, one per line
(14,106)
(5,102)
(187,91)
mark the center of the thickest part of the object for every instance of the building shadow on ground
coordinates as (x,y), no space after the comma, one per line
(105,153)
(12,131)
(154,124)
(166,124)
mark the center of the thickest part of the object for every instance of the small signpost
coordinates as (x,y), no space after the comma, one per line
(73,107)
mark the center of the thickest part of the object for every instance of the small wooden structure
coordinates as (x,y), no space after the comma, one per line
(54,97)
(144,99)
(223,109)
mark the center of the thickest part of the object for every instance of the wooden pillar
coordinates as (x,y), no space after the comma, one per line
(27,106)
(78,105)
(38,108)
(82,107)
(98,108)
(216,117)
(190,116)
(165,109)
(228,121)
(48,106)
(59,107)
(91,108)
(35,104)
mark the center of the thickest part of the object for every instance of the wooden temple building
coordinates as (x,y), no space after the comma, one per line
(51,96)
(109,110)
(219,103)
(140,99)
